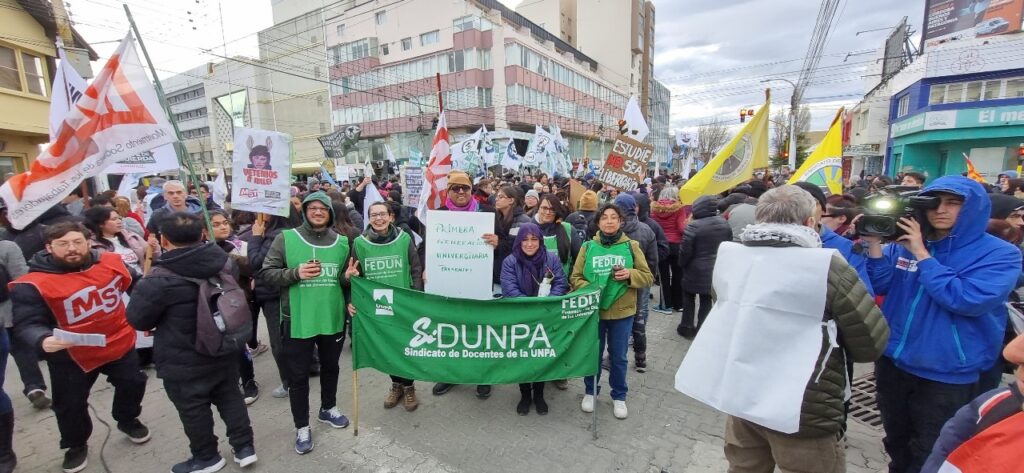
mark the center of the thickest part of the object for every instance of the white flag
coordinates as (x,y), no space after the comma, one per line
(117,116)
(390,155)
(219,189)
(638,128)
(68,86)
(128,184)
(488,148)
(510,159)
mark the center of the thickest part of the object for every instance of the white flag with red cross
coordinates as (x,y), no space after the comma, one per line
(436,175)
(118,116)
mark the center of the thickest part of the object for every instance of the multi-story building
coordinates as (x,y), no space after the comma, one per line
(27,69)
(658,118)
(497,68)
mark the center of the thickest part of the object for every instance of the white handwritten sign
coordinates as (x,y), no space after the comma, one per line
(261,170)
(459,261)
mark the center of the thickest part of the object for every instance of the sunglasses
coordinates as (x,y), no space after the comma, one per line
(459,189)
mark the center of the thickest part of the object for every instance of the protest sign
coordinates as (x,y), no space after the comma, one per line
(459,262)
(412,185)
(414,335)
(626,164)
(262,168)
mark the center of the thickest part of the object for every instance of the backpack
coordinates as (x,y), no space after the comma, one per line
(224,322)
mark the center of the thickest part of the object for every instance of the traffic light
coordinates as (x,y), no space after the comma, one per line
(623,127)
(785,150)
(744,113)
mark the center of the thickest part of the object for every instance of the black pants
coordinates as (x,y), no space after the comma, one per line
(272,312)
(689,308)
(246,371)
(193,398)
(71,388)
(298,355)
(671,274)
(913,412)
(27,361)
(402,381)
(254,309)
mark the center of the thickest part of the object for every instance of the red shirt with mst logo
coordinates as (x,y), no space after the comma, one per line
(90,301)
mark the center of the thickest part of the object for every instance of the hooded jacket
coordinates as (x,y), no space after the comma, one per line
(192,206)
(946,312)
(700,245)
(169,305)
(1003,205)
(671,215)
(856,257)
(275,270)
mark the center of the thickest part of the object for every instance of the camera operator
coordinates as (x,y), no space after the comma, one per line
(944,302)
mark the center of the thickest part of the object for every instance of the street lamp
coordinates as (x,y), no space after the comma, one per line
(792,122)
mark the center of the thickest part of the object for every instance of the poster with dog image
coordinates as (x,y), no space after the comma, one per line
(261,167)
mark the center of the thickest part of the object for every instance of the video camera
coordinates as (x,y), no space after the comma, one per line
(884,208)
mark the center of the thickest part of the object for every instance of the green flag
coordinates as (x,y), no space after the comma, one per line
(421,336)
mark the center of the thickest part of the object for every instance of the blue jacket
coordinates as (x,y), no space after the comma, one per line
(946,313)
(510,270)
(832,240)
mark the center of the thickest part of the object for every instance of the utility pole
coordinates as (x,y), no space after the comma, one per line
(794,109)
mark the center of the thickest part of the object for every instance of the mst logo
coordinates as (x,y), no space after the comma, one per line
(383,300)
(90,300)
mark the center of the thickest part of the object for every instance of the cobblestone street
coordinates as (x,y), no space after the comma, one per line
(665,431)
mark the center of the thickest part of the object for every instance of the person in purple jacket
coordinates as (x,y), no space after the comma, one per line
(532,271)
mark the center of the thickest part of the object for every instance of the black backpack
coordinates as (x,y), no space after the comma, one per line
(224,322)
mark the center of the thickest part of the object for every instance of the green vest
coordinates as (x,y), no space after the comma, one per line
(551,243)
(598,268)
(386,263)
(317,304)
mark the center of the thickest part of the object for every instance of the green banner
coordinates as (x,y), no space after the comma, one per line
(425,337)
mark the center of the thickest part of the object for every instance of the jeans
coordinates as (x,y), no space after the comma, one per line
(643,304)
(193,399)
(614,333)
(298,356)
(272,312)
(5,348)
(27,360)
(690,301)
(671,274)
(913,412)
(71,388)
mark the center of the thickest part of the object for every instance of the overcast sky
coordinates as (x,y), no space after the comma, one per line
(711,53)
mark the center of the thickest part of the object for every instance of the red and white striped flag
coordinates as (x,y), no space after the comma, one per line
(116,117)
(438,167)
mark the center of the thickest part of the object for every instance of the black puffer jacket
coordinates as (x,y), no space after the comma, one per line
(168,305)
(31,239)
(259,246)
(700,245)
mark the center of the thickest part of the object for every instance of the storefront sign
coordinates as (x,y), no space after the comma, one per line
(1012,115)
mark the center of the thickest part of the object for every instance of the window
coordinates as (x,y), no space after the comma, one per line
(904,106)
(430,38)
(9,76)
(1014,89)
(341,29)
(954,93)
(384,49)
(35,79)
(406,44)
(973,92)
(937,94)
(381,17)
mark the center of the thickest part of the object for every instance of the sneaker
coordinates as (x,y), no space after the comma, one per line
(441,389)
(210,465)
(245,456)
(303,441)
(641,365)
(251,391)
(662,310)
(333,417)
(260,349)
(483,391)
(619,409)
(39,399)
(588,403)
(75,459)
(562,384)
(135,430)
(279,392)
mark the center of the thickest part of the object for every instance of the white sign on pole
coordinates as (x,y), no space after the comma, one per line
(459,262)
(261,169)
(412,185)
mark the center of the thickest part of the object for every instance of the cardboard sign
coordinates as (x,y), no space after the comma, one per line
(459,263)
(626,164)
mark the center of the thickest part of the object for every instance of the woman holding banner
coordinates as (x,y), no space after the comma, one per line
(616,263)
(532,272)
(382,241)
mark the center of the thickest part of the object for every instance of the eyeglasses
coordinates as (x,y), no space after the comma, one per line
(317,209)
(66,244)
(377,215)
(546,209)
(459,189)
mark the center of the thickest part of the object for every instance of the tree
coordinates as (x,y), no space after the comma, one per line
(780,136)
(712,135)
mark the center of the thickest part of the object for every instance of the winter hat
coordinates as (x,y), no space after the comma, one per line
(588,202)
(532,193)
(627,203)
(459,178)
(1003,205)
(815,192)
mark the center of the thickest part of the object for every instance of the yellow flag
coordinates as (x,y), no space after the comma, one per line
(735,163)
(824,167)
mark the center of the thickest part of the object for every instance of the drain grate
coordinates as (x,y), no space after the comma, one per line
(862,405)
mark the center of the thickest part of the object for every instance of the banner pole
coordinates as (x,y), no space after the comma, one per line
(148,262)
(355,402)
(597,377)
(179,146)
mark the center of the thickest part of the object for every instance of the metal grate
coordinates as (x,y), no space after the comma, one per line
(862,405)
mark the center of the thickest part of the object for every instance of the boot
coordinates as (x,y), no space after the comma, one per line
(538,399)
(410,398)
(394,396)
(526,390)
(7,458)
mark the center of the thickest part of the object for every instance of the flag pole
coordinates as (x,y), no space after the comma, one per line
(355,402)
(179,147)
